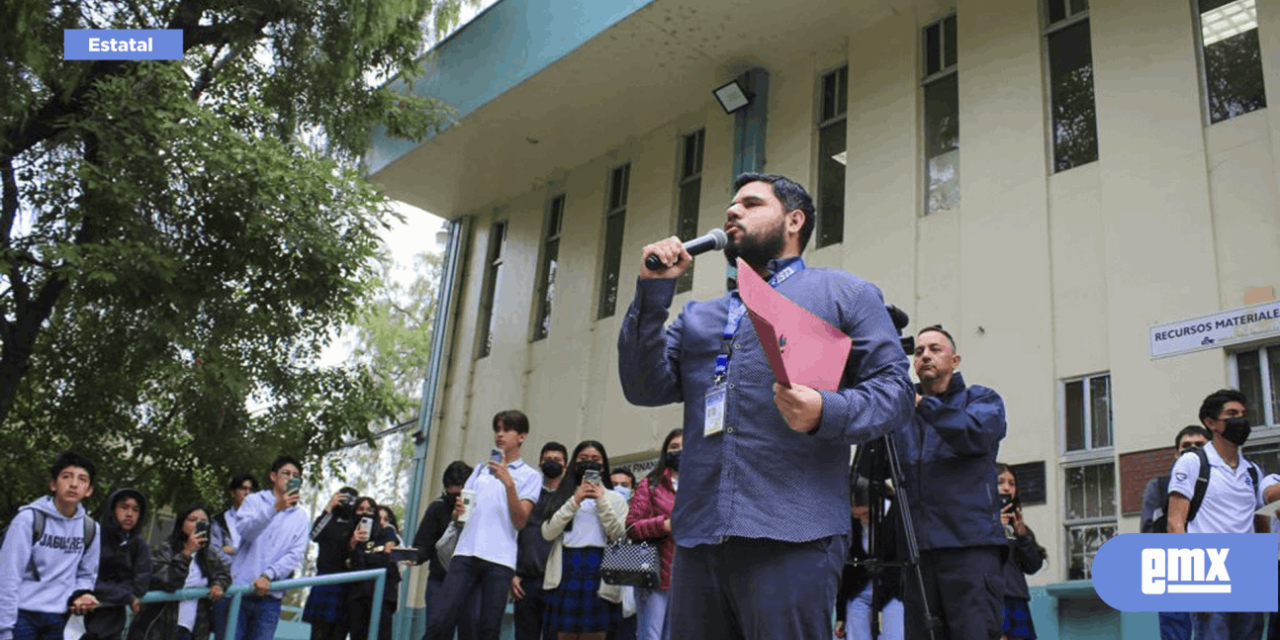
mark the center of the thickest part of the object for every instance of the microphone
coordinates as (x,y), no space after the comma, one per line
(714,239)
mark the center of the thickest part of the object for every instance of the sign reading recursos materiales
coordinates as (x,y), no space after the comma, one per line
(1216,330)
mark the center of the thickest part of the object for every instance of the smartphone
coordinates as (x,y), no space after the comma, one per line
(294,485)
(592,476)
(202,530)
(366,523)
(404,554)
(1005,501)
(495,455)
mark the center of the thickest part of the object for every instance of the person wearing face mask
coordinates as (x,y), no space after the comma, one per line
(1227,503)
(624,482)
(650,519)
(325,610)
(531,559)
(434,522)
(371,549)
(581,518)
(1025,558)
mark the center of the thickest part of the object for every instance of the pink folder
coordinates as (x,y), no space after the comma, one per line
(801,347)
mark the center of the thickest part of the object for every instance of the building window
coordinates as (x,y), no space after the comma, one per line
(941,117)
(690,195)
(1090,514)
(489,291)
(1258,373)
(832,156)
(1087,413)
(1232,60)
(615,221)
(1075,122)
(547,270)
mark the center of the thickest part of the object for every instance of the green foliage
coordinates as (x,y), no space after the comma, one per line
(179,241)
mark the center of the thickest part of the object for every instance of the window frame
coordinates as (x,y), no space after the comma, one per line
(822,123)
(543,308)
(683,179)
(1206,110)
(1089,452)
(1048,29)
(948,69)
(495,257)
(1271,421)
(612,211)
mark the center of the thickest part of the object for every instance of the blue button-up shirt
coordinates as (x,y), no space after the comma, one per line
(758,478)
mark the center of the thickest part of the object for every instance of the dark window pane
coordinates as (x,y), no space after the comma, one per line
(1273,359)
(1100,416)
(932,50)
(1075,415)
(626,184)
(1106,490)
(557,212)
(842,92)
(1233,75)
(942,143)
(1075,125)
(1092,489)
(949,38)
(548,290)
(1206,6)
(687,225)
(829,105)
(618,187)
(1079,6)
(830,227)
(1057,10)
(1075,493)
(702,137)
(612,264)
(493,263)
(1249,370)
(690,156)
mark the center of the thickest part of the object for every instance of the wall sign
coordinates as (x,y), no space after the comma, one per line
(1216,330)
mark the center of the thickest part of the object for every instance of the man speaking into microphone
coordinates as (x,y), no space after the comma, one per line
(761,519)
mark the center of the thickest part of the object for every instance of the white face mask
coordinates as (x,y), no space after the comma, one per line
(625,491)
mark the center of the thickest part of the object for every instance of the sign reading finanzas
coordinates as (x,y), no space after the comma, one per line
(1216,330)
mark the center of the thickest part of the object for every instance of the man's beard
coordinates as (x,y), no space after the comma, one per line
(758,249)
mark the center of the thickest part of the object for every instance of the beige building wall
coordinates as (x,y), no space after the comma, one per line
(1040,276)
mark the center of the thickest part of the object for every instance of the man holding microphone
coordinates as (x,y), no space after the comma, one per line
(760,522)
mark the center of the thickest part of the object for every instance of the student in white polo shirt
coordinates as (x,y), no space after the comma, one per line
(485,559)
(1230,499)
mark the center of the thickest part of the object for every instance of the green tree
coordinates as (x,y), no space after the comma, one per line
(180,240)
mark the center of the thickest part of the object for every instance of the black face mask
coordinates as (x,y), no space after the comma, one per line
(552,469)
(673,460)
(1237,431)
(589,464)
(450,498)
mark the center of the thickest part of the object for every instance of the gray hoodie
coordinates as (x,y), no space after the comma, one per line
(59,557)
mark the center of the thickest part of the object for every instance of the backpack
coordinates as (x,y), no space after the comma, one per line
(1161,523)
(37,531)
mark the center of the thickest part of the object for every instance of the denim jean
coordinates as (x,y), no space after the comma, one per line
(1228,626)
(651,614)
(1175,625)
(258,618)
(470,577)
(857,618)
(37,625)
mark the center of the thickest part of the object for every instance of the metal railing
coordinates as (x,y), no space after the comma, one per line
(236,592)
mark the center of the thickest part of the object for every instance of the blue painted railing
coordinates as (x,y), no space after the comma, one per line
(379,577)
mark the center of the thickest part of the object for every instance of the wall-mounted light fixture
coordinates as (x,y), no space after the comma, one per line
(731,96)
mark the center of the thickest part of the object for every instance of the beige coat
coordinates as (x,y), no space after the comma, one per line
(612,511)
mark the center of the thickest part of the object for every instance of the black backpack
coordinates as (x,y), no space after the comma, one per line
(1161,522)
(38,519)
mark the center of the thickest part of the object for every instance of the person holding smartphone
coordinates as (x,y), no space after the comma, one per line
(1025,558)
(273,539)
(371,544)
(185,559)
(124,568)
(325,610)
(582,518)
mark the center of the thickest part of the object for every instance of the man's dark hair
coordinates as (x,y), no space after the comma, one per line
(71,459)
(626,472)
(457,473)
(939,329)
(239,479)
(1192,430)
(283,460)
(790,194)
(351,491)
(513,419)
(1212,406)
(554,446)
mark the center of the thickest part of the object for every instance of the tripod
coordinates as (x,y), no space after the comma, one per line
(878,461)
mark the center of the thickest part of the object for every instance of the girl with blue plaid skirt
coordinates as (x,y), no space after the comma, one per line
(580,519)
(1025,558)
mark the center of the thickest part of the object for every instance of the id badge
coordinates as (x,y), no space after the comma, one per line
(714,422)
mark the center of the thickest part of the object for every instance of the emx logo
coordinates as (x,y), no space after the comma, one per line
(1187,572)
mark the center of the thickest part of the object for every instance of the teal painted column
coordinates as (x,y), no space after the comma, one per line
(410,621)
(751,123)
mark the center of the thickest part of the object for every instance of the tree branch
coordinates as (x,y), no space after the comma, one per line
(8,200)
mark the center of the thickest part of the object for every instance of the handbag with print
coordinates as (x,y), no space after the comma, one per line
(630,564)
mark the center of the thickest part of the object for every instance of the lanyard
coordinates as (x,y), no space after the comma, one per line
(737,310)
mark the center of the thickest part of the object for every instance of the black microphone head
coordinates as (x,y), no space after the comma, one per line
(721,240)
